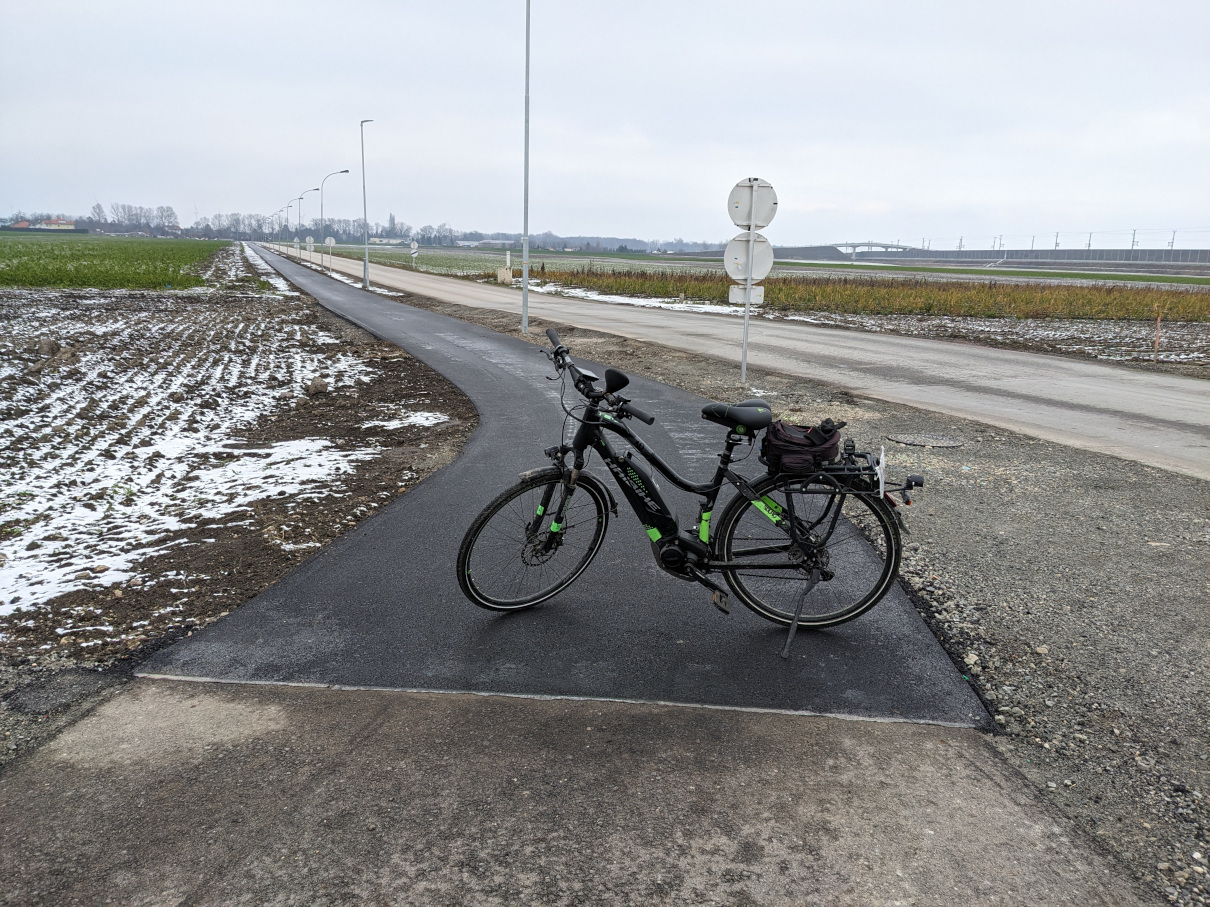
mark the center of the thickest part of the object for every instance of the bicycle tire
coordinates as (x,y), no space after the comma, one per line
(497,551)
(862,553)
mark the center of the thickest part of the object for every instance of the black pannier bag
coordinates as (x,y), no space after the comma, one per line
(799,449)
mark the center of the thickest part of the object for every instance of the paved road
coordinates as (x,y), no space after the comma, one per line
(380,608)
(1161,420)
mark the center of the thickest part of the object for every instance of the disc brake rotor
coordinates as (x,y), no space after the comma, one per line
(535,552)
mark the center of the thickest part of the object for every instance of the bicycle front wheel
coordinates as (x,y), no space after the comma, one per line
(854,552)
(511,559)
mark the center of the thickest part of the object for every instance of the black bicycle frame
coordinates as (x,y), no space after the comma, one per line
(643,495)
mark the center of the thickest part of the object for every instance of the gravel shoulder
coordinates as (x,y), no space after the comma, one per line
(167,456)
(1068,586)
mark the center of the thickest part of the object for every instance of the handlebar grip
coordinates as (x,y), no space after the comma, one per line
(553,336)
(637,413)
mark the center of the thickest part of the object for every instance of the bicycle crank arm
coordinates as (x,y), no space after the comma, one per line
(721,599)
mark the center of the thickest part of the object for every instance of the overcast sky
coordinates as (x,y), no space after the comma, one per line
(874,120)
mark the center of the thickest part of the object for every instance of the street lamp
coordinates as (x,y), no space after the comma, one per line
(288,207)
(365,217)
(321,220)
(525,224)
(299,200)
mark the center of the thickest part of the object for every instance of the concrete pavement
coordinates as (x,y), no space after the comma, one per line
(206,794)
(1161,420)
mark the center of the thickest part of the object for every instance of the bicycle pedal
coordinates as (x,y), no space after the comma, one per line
(721,600)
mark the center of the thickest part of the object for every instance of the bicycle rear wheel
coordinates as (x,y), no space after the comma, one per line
(856,551)
(509,558)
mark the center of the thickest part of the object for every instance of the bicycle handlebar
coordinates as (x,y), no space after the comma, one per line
(629,410)
(561,357)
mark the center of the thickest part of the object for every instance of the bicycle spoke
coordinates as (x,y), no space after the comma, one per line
(514,560)
(853,563)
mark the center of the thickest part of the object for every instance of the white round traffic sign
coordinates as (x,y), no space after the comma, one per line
(310,239)
(415,245)
(330,241)
(749,208)
(735,258)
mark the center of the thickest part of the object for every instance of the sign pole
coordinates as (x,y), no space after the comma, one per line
(743,359)
(525,226)
(748,258)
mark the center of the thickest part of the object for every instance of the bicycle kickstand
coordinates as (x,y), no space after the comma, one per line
(802,598)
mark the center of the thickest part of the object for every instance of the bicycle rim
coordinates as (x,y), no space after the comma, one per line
(857,557)
(503,564)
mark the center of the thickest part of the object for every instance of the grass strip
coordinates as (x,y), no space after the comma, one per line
(864,293)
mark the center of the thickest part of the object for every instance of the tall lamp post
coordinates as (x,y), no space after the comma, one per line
(288,207)
(321,220)
(525,217)
(365,217)
(299,200)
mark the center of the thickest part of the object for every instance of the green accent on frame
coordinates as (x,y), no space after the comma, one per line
(703,528)
(556,527)
(653,534)
(769,508)
(541,510)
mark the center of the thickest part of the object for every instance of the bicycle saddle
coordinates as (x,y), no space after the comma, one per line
(743,417)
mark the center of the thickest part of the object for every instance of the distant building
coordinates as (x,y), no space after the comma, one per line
(20,225)
(55,223)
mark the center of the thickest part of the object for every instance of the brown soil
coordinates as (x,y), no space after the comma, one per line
(217,566)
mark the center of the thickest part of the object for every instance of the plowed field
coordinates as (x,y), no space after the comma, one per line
(163,456)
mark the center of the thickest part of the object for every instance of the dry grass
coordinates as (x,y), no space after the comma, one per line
(902,296)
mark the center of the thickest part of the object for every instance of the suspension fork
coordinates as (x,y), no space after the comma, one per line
(584,436)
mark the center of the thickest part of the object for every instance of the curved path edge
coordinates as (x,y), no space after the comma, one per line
(380,607)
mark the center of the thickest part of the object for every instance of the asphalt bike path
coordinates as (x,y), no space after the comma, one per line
(1158,419)
(380,608)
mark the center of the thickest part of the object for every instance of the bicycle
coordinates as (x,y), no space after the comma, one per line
(812,550)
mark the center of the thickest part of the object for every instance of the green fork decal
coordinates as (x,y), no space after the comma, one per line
(703,528)
(541,510)
(555,527)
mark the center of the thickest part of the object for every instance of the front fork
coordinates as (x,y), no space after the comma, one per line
(558,519)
